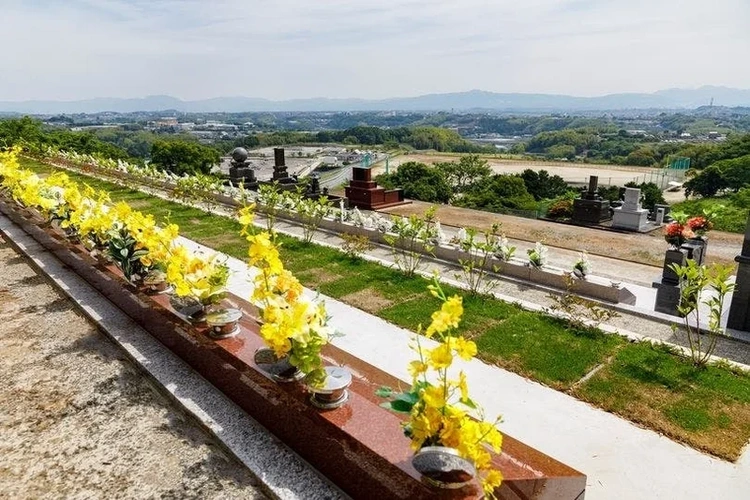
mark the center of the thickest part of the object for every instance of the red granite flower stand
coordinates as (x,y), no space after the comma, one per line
(360,447)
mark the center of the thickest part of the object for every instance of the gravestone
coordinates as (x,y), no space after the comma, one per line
(630,215)
(739,311)
(666,208)
(659,216)
(591,208)
(240,170)
(363,192)
(280,174)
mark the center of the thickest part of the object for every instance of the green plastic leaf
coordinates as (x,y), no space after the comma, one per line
(384,392)
(408,397)
(399,406)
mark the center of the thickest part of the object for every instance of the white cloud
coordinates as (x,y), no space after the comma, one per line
(367,48)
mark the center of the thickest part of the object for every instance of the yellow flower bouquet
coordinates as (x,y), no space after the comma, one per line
(294,327)
(439,405)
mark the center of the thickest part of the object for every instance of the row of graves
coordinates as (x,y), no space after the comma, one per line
(592,211)
(589,210)
(362,192)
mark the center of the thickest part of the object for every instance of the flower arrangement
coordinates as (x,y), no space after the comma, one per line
(203,278)
(583,264)
(134,240)
(293,326)
(699,225)
(438,404)
(537,255)
(505,251)
(676,233)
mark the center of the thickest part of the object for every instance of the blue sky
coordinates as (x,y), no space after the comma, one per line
(282,49)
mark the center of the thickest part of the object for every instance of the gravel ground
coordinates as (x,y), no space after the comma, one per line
(77,420)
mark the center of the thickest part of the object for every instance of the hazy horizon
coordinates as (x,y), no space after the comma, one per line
(290,49)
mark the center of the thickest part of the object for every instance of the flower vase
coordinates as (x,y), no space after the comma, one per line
(280,369)
(332,392)
(444,467)
(223,323)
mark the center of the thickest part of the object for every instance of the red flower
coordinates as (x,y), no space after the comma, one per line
(699,224)
(673,230)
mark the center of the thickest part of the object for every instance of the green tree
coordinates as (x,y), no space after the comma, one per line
(707,183)
(180,157)
(498,194)
(542,186)
(736,172)
(17,130)
(419,182)
(467,171)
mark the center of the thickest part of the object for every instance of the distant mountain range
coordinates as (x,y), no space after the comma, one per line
(458,101)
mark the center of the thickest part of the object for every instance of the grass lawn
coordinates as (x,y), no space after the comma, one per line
(708,409)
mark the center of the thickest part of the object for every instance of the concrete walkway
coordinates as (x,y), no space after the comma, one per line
(621,460)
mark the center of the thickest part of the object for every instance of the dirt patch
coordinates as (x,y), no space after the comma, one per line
(315,277)
(79,421)
(368,300)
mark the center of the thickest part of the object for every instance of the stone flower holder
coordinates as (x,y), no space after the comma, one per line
(444,467)
(333,393)
(279,369)
(223,323)
(156,283)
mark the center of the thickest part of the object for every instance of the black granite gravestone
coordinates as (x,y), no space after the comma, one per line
(591,208)
(739,311)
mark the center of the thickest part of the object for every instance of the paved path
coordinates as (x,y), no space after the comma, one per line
(621,460)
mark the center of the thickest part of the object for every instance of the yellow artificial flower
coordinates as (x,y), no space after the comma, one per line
(466,349)
(440,357)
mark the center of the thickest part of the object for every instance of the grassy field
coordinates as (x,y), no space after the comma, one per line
(708,409)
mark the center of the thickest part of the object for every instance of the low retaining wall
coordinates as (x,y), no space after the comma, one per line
(360,447)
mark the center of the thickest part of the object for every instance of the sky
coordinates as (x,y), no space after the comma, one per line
(286,49)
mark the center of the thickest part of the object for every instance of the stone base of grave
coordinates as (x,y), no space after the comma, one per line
(631,221)
(667,297)
(590,211)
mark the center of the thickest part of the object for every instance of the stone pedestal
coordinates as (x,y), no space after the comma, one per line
(666,209)
(668,284)
(591,208)
(630,215)
(240,171)
(739,311)
(365,193)
(696,249)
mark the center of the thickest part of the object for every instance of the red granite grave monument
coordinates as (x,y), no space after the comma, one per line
(365,193)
